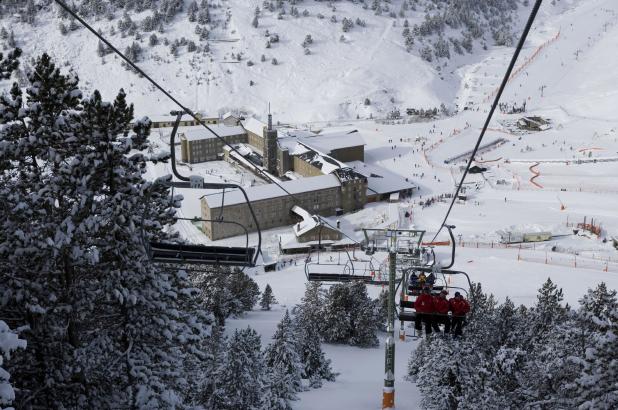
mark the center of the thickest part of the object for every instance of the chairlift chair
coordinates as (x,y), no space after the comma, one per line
(181,253)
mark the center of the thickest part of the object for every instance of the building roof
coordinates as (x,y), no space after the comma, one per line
(331,142)
(254,125)
(201,133)
(262,192)
(322,162)
(348,174)
(169,118)
(308,223)
(380,180)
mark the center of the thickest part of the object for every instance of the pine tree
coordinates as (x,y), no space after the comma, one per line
(9,342)
(596,383)
(282,357)
(105,328)
(364,317)
(241,380)
(316,367)
(9,63)
(336,319)
(267,298)
(244,290)
(214,364)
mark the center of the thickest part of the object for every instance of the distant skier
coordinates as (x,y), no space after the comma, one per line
(424,311)
(460,307)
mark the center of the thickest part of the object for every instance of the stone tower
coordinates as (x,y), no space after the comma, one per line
(270,146)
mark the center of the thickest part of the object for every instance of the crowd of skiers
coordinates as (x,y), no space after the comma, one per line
(433,310)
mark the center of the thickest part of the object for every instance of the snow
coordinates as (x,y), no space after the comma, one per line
(380,180)
(254,125)
(262,192)
(308,223)
(331,142)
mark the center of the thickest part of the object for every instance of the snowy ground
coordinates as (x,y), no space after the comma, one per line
(360,384)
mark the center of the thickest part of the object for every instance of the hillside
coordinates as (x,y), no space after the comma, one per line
(334,60)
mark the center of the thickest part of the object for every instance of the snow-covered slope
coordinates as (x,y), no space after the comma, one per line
(343,69)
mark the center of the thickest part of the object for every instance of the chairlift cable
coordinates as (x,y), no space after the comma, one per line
(175,101)
(507,75)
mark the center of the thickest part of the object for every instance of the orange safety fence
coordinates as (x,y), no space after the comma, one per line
(525,64)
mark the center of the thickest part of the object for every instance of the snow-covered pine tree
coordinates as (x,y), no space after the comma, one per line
(245,290)
(596,384)
(9,342)
(105,328)
(382,308)
(214,364)
(336,319)
(364,317)
(241,380)
(9,63)
(282,356)
(267,298)
(316,367)
(215,292)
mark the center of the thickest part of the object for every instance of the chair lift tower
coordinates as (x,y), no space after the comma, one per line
(406,243)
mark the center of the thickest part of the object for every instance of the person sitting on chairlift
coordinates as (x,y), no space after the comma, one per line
(431,279)
(441,307)
(424,307)
(460,307)
(422,279)
(413,279)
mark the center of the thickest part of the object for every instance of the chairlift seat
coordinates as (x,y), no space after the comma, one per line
(406,304)
(201,254)
(407,316)
(334,277)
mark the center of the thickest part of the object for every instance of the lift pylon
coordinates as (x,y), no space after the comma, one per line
(404,245)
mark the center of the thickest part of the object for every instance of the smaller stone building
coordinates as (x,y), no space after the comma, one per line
(230,119)
(272,206)
(255,132)
(199,144)
(312,228)
(167,121)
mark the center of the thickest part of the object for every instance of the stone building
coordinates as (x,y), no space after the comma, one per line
(255,132)
(167,121)
(230,119)
(198,144)
(272,206)
(312,228)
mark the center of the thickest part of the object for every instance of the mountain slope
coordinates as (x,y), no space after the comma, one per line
(371,59)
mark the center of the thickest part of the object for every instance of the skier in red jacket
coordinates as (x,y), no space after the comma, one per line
(460,307)
(441,307)
(424,310)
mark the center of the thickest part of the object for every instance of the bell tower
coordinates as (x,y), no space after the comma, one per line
(270,146)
